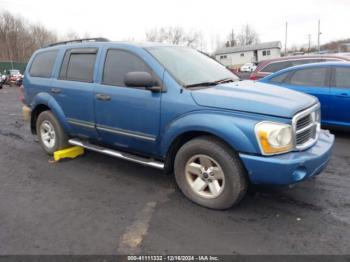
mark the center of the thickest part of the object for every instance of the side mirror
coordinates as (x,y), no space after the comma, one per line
(141,79)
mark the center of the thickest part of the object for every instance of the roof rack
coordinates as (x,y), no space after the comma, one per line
(96,39)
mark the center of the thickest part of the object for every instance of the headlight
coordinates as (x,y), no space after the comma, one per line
(274,138)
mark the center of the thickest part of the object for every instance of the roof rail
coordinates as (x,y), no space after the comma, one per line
(96,39)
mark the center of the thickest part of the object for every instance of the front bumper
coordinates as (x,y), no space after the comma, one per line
(291,167)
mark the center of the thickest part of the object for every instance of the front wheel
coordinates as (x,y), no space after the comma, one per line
(209,173)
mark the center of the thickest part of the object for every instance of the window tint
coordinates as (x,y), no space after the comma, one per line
(310,77)
(280,78)
(78,66)
(305,61)
(118,63)
(342,77)
(43,64)
(277,66)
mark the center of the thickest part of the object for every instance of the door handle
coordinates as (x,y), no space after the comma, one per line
(103,97)
(343,95)
(56,90)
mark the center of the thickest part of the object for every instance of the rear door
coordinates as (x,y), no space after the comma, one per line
(313,81)
(73,90)
(340,95)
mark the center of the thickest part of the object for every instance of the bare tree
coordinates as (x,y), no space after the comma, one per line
(231,39)
(175,35)
(19,38)
(247,36)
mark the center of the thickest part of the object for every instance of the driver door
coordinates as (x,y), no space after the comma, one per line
(126,117)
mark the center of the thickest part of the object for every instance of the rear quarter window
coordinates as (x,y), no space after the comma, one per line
(43,63)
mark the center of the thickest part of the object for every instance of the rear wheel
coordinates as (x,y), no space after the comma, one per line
(209,173)
(50,133)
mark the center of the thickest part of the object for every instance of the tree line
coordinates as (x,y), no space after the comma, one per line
(19,39)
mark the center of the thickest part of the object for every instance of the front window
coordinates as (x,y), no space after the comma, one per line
(190,67)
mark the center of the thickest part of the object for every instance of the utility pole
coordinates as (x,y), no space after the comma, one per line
(318,38)
(232,41)
(309,43)
(285,40)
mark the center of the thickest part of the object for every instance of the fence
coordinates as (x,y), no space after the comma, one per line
(6,65)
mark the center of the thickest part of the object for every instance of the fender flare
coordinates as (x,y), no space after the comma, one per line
(236,131)
(49,101)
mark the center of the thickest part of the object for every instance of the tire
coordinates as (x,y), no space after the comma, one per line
(47,125)
(223,166)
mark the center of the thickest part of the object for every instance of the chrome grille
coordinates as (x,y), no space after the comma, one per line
(304,121)
(306,125)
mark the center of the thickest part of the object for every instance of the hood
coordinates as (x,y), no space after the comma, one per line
(254,97)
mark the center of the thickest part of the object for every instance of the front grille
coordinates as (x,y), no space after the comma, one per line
(304,121)
(306,135)
(306,126)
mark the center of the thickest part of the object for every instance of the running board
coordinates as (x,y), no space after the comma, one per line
(117,154)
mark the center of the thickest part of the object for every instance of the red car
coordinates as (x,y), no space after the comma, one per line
(268,67)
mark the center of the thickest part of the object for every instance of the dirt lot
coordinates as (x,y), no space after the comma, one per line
(100,205)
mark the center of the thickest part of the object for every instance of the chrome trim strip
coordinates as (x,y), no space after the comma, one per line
(125,133)
(117,154)
(81,123)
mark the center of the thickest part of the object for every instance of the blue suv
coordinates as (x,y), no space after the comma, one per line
(176,109)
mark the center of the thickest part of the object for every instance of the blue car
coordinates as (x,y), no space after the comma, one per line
(175,109)
(329,82)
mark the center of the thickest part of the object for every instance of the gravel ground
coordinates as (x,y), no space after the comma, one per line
(96,204)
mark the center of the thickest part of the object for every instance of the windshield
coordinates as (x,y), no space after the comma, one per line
(190,67)
(14,72)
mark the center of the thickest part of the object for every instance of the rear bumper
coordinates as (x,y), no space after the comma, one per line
(292,167)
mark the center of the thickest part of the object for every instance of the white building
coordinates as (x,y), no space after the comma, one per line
(239,55)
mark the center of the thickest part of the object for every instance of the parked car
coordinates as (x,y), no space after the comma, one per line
(329,82)
(175,109)
(267,67)
(12,75)
(3,78)
(248,67)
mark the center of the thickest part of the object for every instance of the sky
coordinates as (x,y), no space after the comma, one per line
(215,19)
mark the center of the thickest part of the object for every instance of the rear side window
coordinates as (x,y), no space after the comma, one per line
(277,66)
(78,65)
(118,63)
(310,77)
(342,77)
(42,64)
(305,61)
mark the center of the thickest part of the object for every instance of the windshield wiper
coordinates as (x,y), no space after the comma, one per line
(214,83)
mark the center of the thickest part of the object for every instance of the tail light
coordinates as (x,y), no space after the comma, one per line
(253,77)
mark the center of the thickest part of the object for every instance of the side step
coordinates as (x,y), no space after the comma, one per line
(114,153)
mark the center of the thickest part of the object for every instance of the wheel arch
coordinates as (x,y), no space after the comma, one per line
(235,132)
(43,102)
